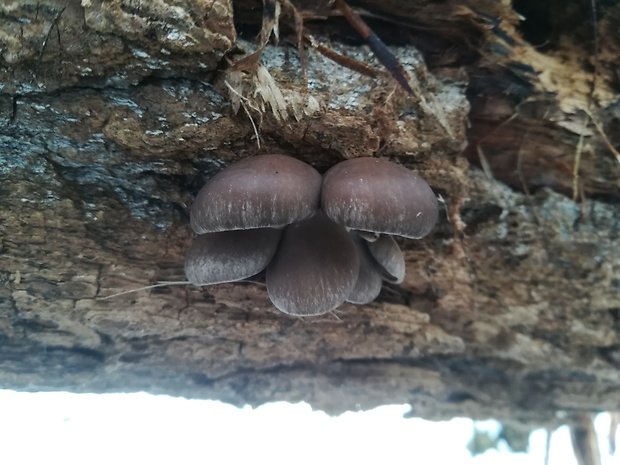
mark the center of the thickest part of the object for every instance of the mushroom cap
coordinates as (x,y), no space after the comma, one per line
(389,258)
(373,194)
(315,268)
(369,281)
(230,255)
(265,191)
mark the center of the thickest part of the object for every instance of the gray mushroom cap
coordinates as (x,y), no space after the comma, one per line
(315,268)
(369,281)
(373,194)
(230,255)
(265,191)
(389,258)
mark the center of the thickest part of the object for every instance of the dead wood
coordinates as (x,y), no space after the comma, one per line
(112,115)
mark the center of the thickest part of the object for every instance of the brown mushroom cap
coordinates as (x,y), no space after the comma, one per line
(230,255)
(369,281)
(265,191)
(373,194)
(315,268)
(389,258)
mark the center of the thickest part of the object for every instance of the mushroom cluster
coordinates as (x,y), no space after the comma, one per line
(323,240)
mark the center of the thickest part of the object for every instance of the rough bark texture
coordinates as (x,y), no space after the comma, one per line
(113,114)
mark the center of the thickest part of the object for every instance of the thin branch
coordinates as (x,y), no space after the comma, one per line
(383,54)
(341,59)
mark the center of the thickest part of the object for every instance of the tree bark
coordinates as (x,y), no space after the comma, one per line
(113,114)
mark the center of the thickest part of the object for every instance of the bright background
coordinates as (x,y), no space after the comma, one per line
(67,429)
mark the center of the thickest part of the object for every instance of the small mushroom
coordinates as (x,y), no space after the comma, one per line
(230,255)
(389,258)
(369,282)
(315,268)
(266,191)
(376,195)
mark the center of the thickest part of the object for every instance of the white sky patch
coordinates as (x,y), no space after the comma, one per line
(64,428)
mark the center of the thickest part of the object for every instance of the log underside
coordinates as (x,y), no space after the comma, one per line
(111,118)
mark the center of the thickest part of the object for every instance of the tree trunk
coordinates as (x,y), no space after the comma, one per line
(114,113)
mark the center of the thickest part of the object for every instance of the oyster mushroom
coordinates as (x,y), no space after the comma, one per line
(227,256)
(378,196)
(265,191)
(388,257)
(239,214)
(315,268)
(369,280)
